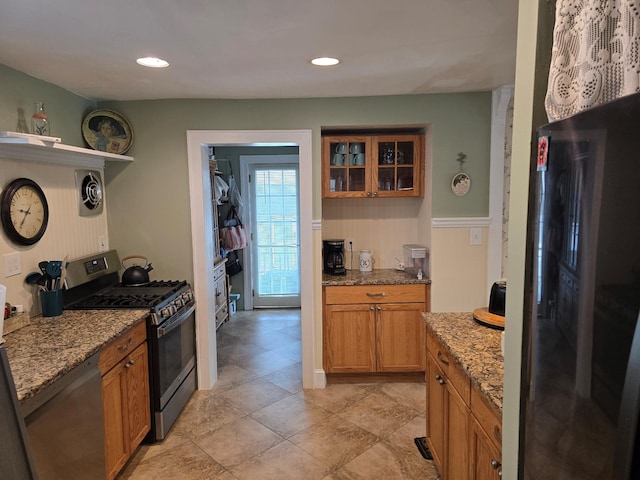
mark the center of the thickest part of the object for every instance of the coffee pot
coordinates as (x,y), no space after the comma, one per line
(333,257)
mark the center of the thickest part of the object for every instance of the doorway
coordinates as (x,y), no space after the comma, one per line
(272,278)
(202,240)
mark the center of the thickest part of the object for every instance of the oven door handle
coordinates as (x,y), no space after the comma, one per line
(171,324)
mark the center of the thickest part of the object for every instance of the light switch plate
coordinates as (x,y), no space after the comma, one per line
(12,264)
(475,236)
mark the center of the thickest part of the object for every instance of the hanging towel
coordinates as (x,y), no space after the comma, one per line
(235,199)
(221,189)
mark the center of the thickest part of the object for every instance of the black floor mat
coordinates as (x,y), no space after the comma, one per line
(421,443)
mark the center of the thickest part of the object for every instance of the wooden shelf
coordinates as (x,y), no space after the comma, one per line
(36,150)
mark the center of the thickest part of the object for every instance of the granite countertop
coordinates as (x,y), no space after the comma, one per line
(383,276)
(476,347)
(49,347)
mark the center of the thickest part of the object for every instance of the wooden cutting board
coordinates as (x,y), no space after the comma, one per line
(484,317)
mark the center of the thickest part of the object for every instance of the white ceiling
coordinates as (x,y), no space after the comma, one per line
(261,48)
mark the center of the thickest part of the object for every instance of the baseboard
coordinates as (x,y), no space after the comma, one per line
(319,378)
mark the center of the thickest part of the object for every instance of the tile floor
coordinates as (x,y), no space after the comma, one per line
(258,423)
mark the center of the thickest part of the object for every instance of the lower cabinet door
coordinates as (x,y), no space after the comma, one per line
(126,408)
(457,434)
(138,396)
(485,458)
(116,431)
(349,339)
(436,399)
(400,338)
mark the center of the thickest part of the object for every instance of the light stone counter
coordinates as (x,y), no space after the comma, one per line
(476,347)
(384,276)
(49,347)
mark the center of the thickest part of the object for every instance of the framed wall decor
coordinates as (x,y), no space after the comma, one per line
(107,131)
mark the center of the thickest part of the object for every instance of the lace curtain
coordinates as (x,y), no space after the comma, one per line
(595,56)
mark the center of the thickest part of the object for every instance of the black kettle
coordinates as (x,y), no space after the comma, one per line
(136,275)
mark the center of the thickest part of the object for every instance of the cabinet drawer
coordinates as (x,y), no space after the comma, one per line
(121,347)
(451,368)
(375,294)
(487,417)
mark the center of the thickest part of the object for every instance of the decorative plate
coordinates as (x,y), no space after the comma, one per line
(461,184)
(107,131)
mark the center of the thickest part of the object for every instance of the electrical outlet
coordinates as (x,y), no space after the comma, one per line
(349,245)
(102,245)
(475,236)
(12,264)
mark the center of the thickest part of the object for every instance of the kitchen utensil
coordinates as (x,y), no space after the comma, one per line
(136,275)
(63,273)
(54,268)
(32,278)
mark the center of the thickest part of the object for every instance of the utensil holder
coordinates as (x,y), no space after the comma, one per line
(52,304)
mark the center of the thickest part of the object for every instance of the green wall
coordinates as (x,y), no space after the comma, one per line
(148,200)
(64,109)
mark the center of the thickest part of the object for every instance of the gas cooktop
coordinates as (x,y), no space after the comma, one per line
(145,296)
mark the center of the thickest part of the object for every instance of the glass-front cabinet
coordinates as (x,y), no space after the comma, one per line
(372,166)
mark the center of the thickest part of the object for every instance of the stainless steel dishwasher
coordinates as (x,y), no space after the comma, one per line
(65,426)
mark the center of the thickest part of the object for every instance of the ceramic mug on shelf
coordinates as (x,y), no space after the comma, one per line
(355,148)
(359,158)
(338,159)
(341,148)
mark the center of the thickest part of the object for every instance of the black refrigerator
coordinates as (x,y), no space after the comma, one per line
(581,348)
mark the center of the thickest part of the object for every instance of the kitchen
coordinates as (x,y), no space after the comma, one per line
(160,141)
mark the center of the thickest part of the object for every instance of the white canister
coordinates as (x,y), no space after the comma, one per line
(366,261)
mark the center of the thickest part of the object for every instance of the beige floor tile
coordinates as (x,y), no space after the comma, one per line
(335,397)
(412,395)
(405,435)
(264,363)
(289,378)
(204,413)
(378,414)
(253,395)
(385,461)
(290,415)
(238,441)
(184,462)
(334,441)
(230,376)
(282,462)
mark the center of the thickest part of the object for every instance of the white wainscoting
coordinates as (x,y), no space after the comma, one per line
(458,269)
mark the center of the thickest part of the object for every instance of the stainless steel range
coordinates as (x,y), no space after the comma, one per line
(93,283)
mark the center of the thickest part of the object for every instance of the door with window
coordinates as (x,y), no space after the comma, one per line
(275,246)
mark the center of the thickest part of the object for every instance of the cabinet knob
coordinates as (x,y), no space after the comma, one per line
(379,308)
(371,308)
(375,194)
(368,194)
(495,464)
(439,379)
(129,363)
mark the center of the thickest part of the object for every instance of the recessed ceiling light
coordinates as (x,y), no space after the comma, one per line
(152,62)
(325,61)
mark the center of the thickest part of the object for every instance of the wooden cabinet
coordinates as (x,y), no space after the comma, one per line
(374,328)
(124,366)
(222,293)
(373,166)
(464,432)
(447,413)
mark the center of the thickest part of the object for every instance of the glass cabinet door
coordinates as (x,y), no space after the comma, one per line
(347,166)
(397,165)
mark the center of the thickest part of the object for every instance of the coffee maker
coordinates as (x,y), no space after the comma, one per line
(333,257)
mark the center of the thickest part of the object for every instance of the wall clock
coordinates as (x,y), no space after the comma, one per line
(24,211)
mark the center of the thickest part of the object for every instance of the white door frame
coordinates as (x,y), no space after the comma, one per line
(202,240)
(245,162)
